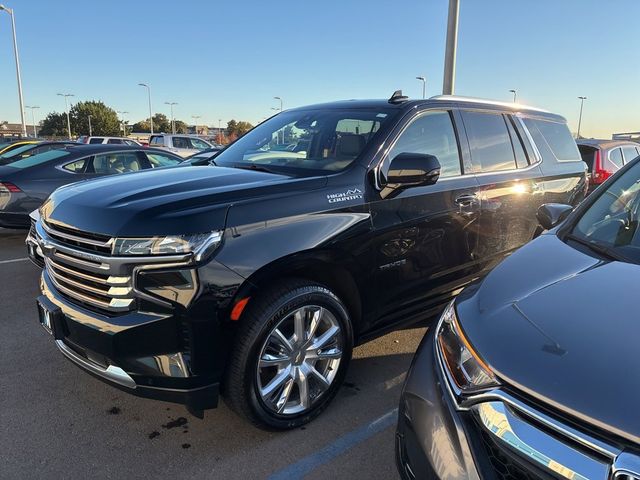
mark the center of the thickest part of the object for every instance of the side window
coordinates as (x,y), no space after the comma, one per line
(158,160)
(521,157)
(629,153)
(96,140)
(615,156)
(113,163)
(181,142)
(489,141)
(553,139)
(114,141)
(156,141)
(199,144)
(75,167)
(433,134)
(130,142)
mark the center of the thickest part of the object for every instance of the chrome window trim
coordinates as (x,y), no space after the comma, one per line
(536,152)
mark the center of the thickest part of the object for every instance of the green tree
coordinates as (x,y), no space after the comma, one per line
(161,124)
(181,127)
(238,129)
(54,125)
(104,120)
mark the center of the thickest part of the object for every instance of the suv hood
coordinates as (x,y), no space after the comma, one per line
(561,326)
(165,201)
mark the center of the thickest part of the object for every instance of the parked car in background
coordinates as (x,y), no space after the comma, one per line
(29,149)
(27,182)
(262,273)
(205,157)
(605,157)
(107,140)
(8,146)
(183,145)
(532,372)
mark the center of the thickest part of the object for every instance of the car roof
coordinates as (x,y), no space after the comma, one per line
(604,142)
(437,101)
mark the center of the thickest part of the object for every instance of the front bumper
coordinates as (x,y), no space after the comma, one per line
(141,353)
(494,435)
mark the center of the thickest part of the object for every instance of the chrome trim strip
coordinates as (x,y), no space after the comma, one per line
(537,446)
(112,373)
(96,243)
(115,305)
(536,152)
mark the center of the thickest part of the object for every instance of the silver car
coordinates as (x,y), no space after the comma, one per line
(183,145)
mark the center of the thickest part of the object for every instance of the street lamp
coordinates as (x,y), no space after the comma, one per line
(515,95)
(582,99)
(124,129)
(448,84)
(15,52)
(89,117)
(424,85)
(66,107)
(195,122)
(150,110)
(278,98)
(220,132)
(173,125)
(33,120)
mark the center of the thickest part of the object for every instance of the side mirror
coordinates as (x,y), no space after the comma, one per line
(413,169)
(551,215)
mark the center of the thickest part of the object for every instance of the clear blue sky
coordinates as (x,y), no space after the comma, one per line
(228,59)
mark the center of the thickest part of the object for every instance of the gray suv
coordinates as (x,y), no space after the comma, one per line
(183,145)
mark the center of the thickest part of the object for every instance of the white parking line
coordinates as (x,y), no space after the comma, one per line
(14,260)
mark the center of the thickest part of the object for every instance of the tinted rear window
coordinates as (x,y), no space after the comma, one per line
(96,140)
(629,153)
(588,155)
(553,138)
(491,148)
(39,159)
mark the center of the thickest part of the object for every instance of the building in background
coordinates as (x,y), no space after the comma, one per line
(632,136)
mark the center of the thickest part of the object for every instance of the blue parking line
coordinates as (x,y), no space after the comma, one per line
(311,462)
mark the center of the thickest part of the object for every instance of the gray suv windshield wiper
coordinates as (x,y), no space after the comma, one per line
(258,168)
(602,250)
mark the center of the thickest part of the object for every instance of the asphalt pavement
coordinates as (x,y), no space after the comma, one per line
(59,422)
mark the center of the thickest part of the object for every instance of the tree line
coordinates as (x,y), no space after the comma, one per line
(105,122)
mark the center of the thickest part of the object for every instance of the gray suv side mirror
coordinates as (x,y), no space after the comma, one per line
(412,170)
(550,215)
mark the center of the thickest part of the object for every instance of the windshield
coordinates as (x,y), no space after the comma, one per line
(38,159)
(612,220)
(17,151)
(306,141)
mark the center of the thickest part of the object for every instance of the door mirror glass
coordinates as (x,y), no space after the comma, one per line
(551,215)
(413,169)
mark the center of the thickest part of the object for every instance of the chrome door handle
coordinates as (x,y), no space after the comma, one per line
(466,200)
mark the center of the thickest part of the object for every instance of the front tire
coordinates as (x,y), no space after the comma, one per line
(291,355)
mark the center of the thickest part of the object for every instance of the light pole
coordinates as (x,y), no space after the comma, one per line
(15,52)
(89,117)
(424,86)
(124,129)
(150,110)
(448,84)
(173,126)
(195,122)
(66,107)
(220,130)
(278,98)
(515,95)
(33,120)
(582,99)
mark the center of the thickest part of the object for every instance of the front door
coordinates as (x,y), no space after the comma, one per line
(425,236)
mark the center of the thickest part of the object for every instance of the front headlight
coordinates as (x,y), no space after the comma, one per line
(201,244)
(465,367)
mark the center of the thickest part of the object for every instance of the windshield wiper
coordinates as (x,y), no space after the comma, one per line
(600,249)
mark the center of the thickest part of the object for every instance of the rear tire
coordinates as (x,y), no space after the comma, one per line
(291,355)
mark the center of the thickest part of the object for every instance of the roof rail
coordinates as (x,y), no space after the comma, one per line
(484,101)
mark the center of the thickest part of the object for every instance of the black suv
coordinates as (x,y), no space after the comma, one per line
(321,228)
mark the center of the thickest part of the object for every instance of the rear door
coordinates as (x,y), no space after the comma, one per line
(425,237)
(509,183)
(113,163)
(182,146)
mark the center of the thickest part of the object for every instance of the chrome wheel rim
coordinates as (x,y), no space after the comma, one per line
(299,360)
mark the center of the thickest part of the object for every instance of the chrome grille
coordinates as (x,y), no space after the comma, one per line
(77,239)
(103,291)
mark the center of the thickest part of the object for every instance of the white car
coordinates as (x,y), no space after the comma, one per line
(183,145)
(108,140)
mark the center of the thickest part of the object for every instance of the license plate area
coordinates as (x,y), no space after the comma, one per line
(50,317)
